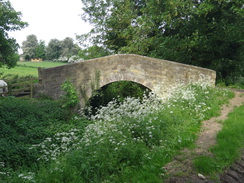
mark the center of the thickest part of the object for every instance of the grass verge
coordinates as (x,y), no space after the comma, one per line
(229,143)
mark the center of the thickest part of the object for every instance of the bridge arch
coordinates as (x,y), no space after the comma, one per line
(116,90)
(122,79)
(156,74)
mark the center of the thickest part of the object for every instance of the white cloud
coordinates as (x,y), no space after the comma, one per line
(49,19)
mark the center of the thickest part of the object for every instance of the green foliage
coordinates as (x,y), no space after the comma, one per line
(123,89)
(203,33)
(53,50)
(32,48)
(23,123)
(137,141)
(29,47)
(229,143)
(10,20)
(40,50)
(117,90)
(129,141)
(70,99)
(15,77)
(65,48)
(69,48)
(212,38)
(93,52)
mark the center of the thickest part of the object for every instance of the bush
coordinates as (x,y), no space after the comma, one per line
(22,123)
(70,99)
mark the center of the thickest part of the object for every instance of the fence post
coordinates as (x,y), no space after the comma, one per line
(31,90)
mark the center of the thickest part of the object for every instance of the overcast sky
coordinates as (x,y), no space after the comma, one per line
(49,19)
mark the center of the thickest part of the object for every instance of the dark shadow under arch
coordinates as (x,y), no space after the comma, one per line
(118,90)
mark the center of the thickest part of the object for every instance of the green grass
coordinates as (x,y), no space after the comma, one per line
(229,143)
(131,148)
(27,68)
(44,64)
(21,71)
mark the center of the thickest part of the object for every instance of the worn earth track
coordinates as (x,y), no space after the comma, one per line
(181,169)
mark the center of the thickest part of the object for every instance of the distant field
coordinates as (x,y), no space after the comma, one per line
(27,68)
(40,64)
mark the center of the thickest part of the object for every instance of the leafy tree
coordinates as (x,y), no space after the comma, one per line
(9,21)
(54,49)
(32,48)
(29,47)
(41,50)
(93,52)
(212,37)
(65,48)
(69,48)
(199,32)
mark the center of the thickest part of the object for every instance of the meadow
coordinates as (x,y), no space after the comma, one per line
(24,69)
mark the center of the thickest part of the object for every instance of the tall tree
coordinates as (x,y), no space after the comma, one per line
(210,35)
(69,48)
(29,47)
(54,49)
(199,32)
(9,21)
(41,50)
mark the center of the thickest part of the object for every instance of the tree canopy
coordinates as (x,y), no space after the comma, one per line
(29,47)
(10,20)
(32,48)
(56,49)
(53,50)
(69,48)
(93,52)
(198,32)
(65,48)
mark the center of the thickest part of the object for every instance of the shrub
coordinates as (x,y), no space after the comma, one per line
(25,122)
(70,99)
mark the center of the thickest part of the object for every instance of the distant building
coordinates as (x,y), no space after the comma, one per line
(36,60)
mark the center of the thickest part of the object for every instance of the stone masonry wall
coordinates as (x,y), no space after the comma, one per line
(156,74)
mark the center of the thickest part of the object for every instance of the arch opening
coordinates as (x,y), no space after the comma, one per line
(118,91)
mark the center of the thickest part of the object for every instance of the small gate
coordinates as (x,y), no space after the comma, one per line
(20,87)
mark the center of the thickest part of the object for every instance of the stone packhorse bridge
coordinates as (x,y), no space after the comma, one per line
(157,75)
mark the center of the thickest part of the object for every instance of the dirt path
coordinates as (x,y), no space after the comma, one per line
(181,169)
